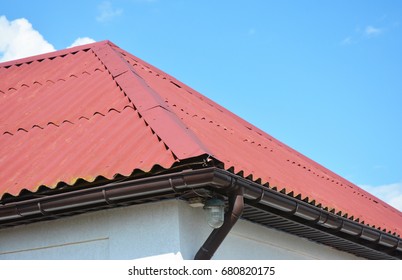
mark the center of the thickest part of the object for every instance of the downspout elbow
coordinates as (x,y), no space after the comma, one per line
(236,206)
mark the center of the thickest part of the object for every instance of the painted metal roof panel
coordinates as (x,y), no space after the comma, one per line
(104,145)
(97,110)
(64,118)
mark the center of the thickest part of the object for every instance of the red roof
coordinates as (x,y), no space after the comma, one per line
(96,110)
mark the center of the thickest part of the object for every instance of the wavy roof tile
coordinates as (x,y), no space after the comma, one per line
(96,110)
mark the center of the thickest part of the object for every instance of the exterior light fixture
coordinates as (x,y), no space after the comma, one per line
(215,210)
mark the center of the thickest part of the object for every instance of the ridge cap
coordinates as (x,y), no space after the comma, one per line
(149,104)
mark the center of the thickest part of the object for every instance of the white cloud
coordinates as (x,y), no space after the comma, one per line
(347,41)
(19,39)
(81,41)
(107,12)
(371,31)
(391,193)
(360,34)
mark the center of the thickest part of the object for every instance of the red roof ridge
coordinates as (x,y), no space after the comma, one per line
(178,138)
(149,104)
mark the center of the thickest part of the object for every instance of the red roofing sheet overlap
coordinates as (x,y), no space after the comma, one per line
(97,110)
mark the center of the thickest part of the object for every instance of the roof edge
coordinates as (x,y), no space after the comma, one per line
(56,53)
(368,241)
(198,162)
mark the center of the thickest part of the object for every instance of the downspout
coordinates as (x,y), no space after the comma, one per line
(215,239)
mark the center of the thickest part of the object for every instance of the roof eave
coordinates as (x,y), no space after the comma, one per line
(280,211)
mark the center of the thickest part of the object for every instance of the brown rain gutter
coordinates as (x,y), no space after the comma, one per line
(113,194)
(236,206)
(187,182)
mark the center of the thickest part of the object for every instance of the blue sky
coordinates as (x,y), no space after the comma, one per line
(323,77)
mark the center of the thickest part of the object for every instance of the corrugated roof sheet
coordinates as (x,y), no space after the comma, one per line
(97,110)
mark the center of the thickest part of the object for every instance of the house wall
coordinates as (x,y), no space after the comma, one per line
(168,229)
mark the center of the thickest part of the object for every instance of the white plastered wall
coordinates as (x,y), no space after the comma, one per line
(170,229)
